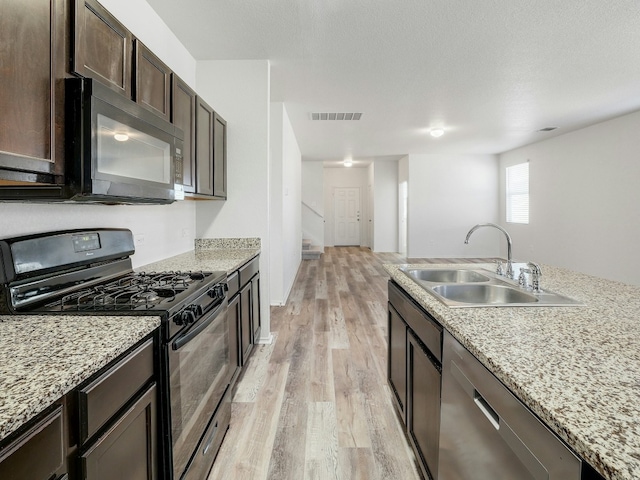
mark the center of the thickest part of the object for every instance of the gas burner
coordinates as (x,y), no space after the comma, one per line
(146,296)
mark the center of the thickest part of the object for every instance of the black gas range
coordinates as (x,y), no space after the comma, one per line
(89,272)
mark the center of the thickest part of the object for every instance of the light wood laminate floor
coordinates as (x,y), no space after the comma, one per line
(315,403)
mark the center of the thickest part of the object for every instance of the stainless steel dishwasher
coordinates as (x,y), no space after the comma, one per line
(486,433)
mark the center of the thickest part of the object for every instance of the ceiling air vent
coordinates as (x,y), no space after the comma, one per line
(335,116)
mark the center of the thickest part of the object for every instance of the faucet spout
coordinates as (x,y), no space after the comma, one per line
(508,237)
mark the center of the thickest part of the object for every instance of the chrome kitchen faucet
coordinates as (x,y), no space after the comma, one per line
(509,272)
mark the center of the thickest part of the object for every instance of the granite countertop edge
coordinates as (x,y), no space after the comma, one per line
(591,405)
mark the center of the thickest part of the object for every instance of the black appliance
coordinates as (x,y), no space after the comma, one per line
(89,272)
(117,151)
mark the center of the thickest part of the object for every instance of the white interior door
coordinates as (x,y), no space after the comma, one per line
(346,208)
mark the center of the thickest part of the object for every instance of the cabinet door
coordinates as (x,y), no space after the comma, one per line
(233,317)
(397,360)
(423,409)
(219,157)
(245,322)
(255,309)
(204,147)
(128,449)
(102,47)
(44,442)
(183,116)
(32,60)
(153,81)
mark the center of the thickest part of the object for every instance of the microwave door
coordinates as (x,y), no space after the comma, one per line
(119,152)
(126,154)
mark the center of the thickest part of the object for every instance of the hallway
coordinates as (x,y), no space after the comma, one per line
(315,403)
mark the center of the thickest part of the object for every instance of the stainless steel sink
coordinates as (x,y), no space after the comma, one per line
(459,288)
(484,294)
(446,276)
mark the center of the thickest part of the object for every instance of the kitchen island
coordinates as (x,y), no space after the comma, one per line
(577,368)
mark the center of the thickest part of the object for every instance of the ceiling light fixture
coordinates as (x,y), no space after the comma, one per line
(347,162)
(437,132)
(121,137)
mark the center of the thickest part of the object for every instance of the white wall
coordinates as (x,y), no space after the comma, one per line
(313,197)
(344,177)
(286,196)
(449,194)
(584,200)
(167,229)
(385,209)
(403,191)
(239,91)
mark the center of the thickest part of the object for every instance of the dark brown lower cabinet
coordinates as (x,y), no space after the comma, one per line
(414,375)
(397,360)
(246,331)
(423,413)
(128,449)
(43,442)
(255,309)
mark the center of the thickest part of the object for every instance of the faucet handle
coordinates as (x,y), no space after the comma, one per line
(522,278)
(536,273)
(499,267)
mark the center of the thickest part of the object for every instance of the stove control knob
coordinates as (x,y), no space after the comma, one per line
(217,291)
(185,318)
(196,310)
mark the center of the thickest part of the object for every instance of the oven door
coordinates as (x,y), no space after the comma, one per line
(199,374)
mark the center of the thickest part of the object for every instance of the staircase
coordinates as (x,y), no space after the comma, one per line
(309,252)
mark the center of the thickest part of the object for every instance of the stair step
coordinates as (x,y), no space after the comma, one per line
(311,254)
(306,244)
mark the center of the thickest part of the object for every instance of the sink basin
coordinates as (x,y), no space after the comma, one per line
(446,276)
(466,287)
(489,295)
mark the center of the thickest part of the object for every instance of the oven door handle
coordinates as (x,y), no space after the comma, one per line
(193,332)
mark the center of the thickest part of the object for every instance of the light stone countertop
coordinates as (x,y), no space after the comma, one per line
(577,368)
(225,254)
(43,357)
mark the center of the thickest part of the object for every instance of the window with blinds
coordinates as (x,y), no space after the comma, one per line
(518,193)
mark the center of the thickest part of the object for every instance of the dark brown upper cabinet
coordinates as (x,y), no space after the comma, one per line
(152,81)
(183,116)
(205,119)
(211,152)
(32,59)
(102,46)
(219,157)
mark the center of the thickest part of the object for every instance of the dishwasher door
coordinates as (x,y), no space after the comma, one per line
(486,433)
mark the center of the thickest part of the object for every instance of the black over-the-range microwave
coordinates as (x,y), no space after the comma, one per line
(117,151)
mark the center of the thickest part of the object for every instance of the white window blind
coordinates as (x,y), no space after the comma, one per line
(518,193)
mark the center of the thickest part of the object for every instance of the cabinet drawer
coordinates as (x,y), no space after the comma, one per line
(103,397)
(249,270)
(128,449)
(233,283)
(427,330)
(43,442)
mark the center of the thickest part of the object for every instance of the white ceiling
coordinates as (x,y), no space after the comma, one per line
(490,72)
